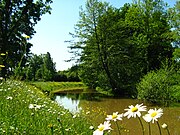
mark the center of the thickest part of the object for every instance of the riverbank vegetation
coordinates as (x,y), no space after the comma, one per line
(120,46)
(58,86)
(24,109)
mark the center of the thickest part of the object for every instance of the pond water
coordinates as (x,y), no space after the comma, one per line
(96,107)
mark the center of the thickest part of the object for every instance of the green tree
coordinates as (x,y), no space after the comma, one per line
(40,67)
(119,46)
(174,14)
(48,67)
(17,18)
(89,41)
(33,67)
(153,32)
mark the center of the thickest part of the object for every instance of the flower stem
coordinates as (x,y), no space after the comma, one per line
(159,128)
(141,125)
(149,129)
(61,125)
(118,128)
(168,131)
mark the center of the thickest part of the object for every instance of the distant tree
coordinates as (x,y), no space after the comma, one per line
(48,67)
(17,18)
(40,67)
(33,67)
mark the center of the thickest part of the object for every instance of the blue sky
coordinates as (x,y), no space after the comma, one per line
(53,30)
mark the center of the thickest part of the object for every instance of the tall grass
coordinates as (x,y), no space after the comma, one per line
(25,110)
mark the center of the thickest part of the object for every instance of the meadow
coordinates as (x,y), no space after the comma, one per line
(24,109)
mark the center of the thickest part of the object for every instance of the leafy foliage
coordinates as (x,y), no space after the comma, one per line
(119,46)
(40,68)
(18,18)
(160,86)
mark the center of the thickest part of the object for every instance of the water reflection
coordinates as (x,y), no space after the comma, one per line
(99,106)
(68,103)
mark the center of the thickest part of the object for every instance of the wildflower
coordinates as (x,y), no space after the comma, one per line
(164,126)
(38,106)
(115,116)
(91,127)
(153,115)
(88,112)
(2,66)
(67,129)
(31,106)
(11,127)
(74,116)
(3,54)
(102,128)
(50,125)
(27,37)
(9,98)
(35,106)
(134,110)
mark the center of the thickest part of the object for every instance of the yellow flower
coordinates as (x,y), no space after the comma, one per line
(27,37)
(132,111)
(115,116)
(50,125)
(2,66)
(3,54)
(153,114)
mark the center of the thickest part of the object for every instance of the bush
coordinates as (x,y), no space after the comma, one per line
(161,87)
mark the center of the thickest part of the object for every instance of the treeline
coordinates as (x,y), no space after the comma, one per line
(42,68)
(118,46)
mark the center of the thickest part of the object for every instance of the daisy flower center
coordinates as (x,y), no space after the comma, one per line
(153,114)
(134,109)
(101,128)
(114,116)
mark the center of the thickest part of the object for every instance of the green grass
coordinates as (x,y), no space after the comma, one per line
(16,116)
(58,86)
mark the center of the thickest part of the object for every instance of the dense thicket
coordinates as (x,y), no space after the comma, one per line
(119,46)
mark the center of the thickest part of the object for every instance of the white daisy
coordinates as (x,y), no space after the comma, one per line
(9,98)
(102,128)
(134,110)
(31,106)
(115,116)
(153,115)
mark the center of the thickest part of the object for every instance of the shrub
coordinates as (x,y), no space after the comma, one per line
(162,86)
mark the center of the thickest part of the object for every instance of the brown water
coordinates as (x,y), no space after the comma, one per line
(96,108)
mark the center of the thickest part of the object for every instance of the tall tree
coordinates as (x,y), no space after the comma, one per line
(89,40)
(40,67)
(48,67)
(174,14)
(17,18)
(153,34)
(120,45)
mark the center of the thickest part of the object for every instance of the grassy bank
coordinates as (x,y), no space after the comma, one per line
(58,86)
(25,110)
